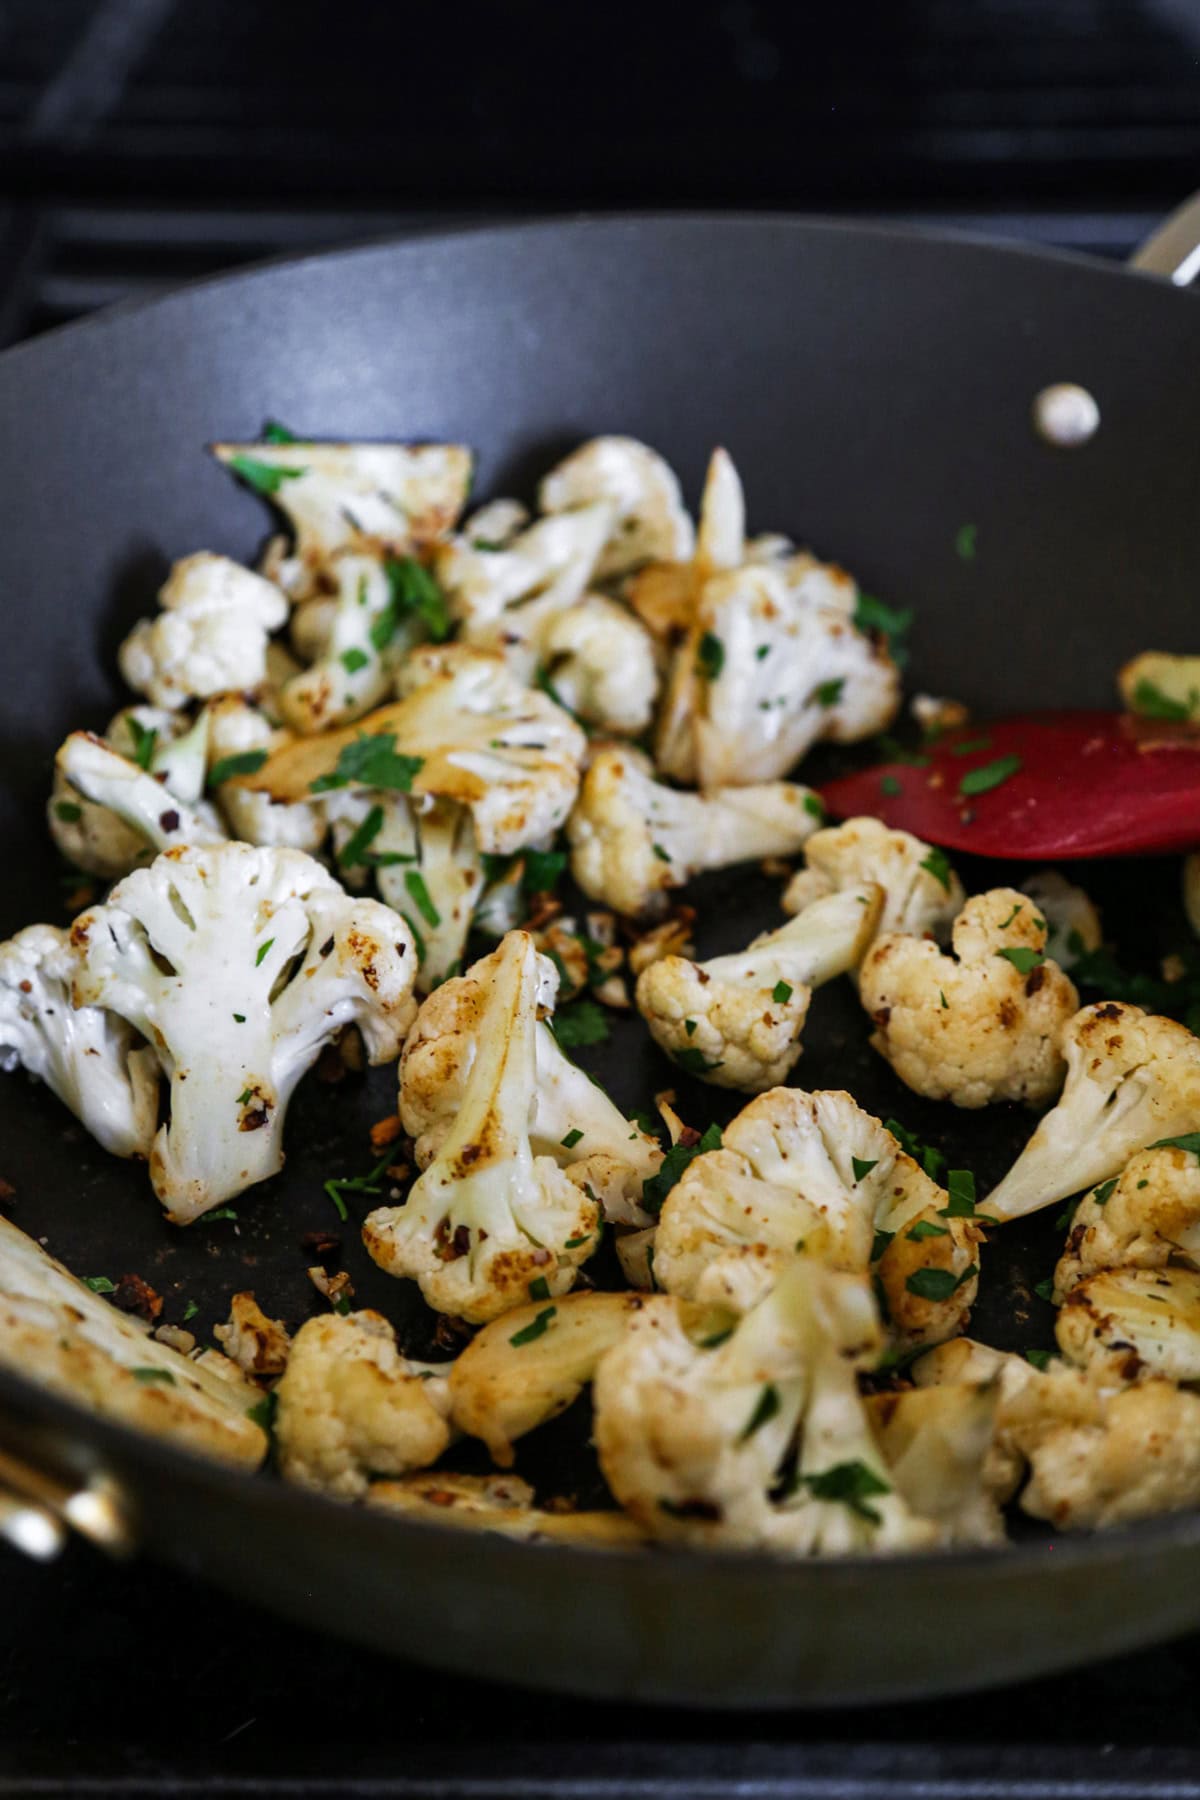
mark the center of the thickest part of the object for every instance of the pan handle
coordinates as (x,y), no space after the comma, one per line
(1173,250)
(38,1509)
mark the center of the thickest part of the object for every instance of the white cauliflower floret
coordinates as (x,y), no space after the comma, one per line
(572,1120)
(1134,1320)
(488,1216)
(1133,1079)
(350,1406)
(127,808)
(981,1024)
(817,1170)
(164,746)
(426,865)
(1073,920)
(56,1331)
(633,839)
(649,520)
(361,640)
(500,1391)
(374,499)
(505,600)
(736,1021)
(257,1344)
(922,894)
(495,524)
(938,1445)
(211,636)
(88,1057)
(694,1437)
(600,662)
(465,730)
(774,672)
(239,965)
(1147,1217)
(240,740)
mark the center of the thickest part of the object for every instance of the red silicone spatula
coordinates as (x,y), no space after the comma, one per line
(1061,784)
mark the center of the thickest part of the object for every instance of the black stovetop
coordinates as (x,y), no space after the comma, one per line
(137,1680)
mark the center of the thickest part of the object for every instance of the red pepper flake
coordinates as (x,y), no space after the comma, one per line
(385,1132)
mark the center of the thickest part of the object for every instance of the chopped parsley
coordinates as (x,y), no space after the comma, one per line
(662,855)
(382,628)
(875,617)
(937,864)
(710,656)
(966,542)
(190,1311)
(222,1212)
(1039,1358)
(762,651)
(536,1328)
(414,881)
(580,1024)
(263,1411)
(890,785)
(1005,923)
(1150,701)
(539,1288)
(828,693)
(245,762)
(1066,1215)
(164,1375)
(1104,1193)
(862,1166)
(880,1243)
(938,1284)
(245,1095)
(990,775)
(371,1183)
(1023,959)
(930,1159)
(943,999)
(1190,1140)
(1045,1290)
(716,1339)
(415,592)
(144,741)
(764,1412)
(970,746)
(849,1484)
(263,951)
(925,1228)
(275,433)
(264,478)
(68,811)
(960,1186)
(354,659)
(239,1018)
(358,844)
(812,804)
(670,1170)
(694,1062)
(781,993)
(100,1284)
(372,761)
(572,1138)
(543,870)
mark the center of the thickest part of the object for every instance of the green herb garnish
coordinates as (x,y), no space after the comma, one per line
(144,741)
(535,1329)
(937,864)
(580,1024)
(263,952)
(414,881)
(372,761)
(100,1284)
(572,1138)
(862,1166)
(355,1184)
(767,1407)
(781,993)
(710,656)
(1023,959)
(415,591)
(164,1375)
(245,762)
(849,1484)
(264,478)
(990,775)
(354,659)
(676,1160)
(938,1284)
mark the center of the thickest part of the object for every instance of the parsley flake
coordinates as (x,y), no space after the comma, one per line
(850,1484)
(371,761)
(966,542)
(68,811)
(766,1409)
(144,741)
(264,478)
(580,1024)
(415,592)
(264,950)
(147,1375)
(100,1284)
(354,659)
(890,785)
(677,1159)
(572,1138)
(1104,1193)
(710,656)
(781,993)
(863,1166)
(990,775)
(1023,959)
(938,1284)
(539,1288)
(925,1228)
(828,693)
(535,1329)
(414,881)
(1039,1358)
(245,762)
(937,864)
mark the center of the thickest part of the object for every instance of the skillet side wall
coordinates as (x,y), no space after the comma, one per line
(874,389)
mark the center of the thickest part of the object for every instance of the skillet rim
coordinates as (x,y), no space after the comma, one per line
(164,1458)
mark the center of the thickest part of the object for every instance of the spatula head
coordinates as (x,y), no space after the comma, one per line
(1056,785)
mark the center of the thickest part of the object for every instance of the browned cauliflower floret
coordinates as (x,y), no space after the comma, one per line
(981,1024)
(257,1344)
(922,894)
(1145,1218)
(350,1407)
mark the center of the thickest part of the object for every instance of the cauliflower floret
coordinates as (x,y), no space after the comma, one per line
(633,839)
(1158,675)
(373,499)
(1133,1079)
(361,640)
(163,746)
(649,522)
(211,636)
(488,1216)
(1147,1217)
(771,672)
(494,525)
(1073,920)
(465,730)
(1134,1320)
(982,1024)
(88,1057)
(504,1504)
(54,1330)
(735,1021)
(922,894)
(817,1170)
(426,865)
(240,740)
(599,660)
(937,1443)
(572,1120)
(500,1391)
(257,1344)
(350,1406)
(239,965)
(121,808)
(693,1437)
